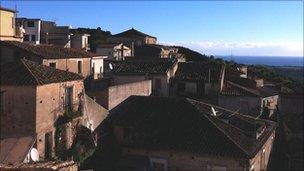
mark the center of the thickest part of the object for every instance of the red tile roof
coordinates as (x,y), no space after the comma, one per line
(25,72)
(48,51)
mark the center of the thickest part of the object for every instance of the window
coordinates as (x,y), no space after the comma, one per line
(53,64)
(26,38)
(30,24)
(2,98)
(33,38)
(68,98)
(158,83)
(79,67)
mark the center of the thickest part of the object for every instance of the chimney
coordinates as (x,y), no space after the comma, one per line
(132,50)
(259,82)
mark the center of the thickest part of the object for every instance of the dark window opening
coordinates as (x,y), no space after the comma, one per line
(30,24)
(53,64)
(26,38)
(68,98)
(79,67)
(33,38)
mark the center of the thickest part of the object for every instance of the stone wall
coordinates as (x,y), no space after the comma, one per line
(114,95)
(188,161)
(18,112)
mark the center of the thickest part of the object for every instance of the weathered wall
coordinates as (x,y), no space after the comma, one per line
(7,29)
(245,104)
(256,162)
(114,95)
(50,105)
(71,65)
(187,161)
(18,117)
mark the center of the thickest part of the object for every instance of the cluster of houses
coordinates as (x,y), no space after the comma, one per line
(166,113)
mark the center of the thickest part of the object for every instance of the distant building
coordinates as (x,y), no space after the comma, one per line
(132,37)
(114,51)
(33,97)
(8,28)
(154,51)
(68,59)
(184,134)
(197,79)
(38,31)
(97,66)
(159,71)
(80,41)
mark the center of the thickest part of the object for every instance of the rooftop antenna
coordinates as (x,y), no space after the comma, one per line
(214,112)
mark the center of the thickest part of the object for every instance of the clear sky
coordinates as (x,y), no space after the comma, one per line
(218,28)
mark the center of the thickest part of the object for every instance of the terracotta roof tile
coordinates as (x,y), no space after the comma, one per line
(160,123)
(25,72)
(132,33)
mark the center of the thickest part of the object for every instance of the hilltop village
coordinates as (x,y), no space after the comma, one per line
(130,103)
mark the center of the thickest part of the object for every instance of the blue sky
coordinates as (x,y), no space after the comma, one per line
(218,28)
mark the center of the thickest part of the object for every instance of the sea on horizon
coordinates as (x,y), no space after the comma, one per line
(266,60)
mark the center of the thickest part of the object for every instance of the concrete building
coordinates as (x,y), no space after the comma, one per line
(97,66)
(197,80)
(80,41)
(76,61)
(8,28)
(114,51)
(38,31)
(159,71)
(132,37)
(33,97)
(184,134)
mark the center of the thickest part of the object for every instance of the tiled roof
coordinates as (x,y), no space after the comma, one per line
(160,66)
(25,72)
(160,123)
(132,33)
(234,89)
(48,51)
(147,51)
(198,71)
(14,150)
(108,45)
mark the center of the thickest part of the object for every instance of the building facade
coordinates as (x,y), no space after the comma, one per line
(114,51)
(8,28)
(80,41)
(33,97)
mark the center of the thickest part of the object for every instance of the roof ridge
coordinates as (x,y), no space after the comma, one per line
(27,67)
(219,127)
(243,88)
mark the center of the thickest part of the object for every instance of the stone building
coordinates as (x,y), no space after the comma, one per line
(159,71)
(72,60)
(8,28)
(131,38)
(197,79)
(33,97)
(249,96)
(184,134)
(114,51)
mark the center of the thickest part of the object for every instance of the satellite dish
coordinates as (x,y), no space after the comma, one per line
(34,154)
(111,66)
(214,112)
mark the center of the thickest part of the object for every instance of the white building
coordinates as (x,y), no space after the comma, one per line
(32,28)
(97,64)
(117,51)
